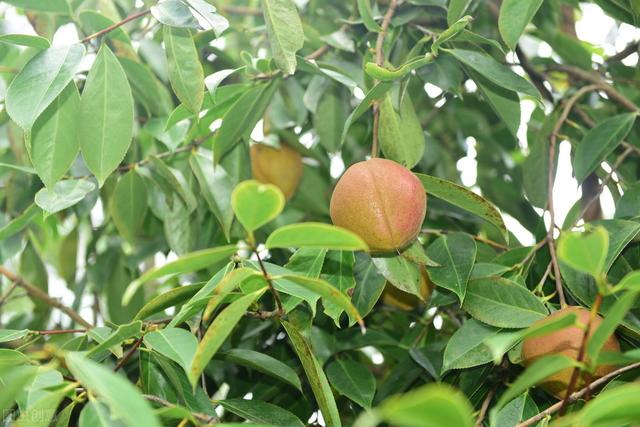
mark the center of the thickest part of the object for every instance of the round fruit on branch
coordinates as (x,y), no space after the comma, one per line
(281,167)
(382,202)
(566,341)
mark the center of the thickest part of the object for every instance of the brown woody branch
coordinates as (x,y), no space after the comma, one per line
(43,296)
(116,25)
(578,394)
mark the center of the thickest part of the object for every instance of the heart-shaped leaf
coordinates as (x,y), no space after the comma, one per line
(585,252)
(255,204)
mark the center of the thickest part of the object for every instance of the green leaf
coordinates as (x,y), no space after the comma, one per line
(352,380)
(256,204)
(25,40)
(190,262)
(211,19)
(456,10)
(13,379)
(242,117)
(55,6)
(534,374)
(185,70)
(516,411)
(123,332)
(610,322)
(329,293)
(218,331)
(284,30)
(630,282)
(128,204)
(401,273)
(316,377)
(500,344)
(11,358)
(504,102)
(369,284)
(337,270)
(118,393)
(216,186)
(400,133)
(176,344)
(514,17)
(463,198)
(54,144)
(307,261)
(495,72)
(40,82)
(174,181)
(262,363)
(43,411)
(18,223)
(456,254)
(63,195)
(585,252)
(434,405)
(374,94)
(616,406)
(466,347)
(168,299)
(7,335)
(364,9)
(225,286)
(502,303)
(315,235)
(106,115)
(174,13)
(261,412)
(330,115)
(599,142)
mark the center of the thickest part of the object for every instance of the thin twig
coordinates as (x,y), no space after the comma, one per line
(489,242)
(127,356)
(537,77)
(379,57)
(60,332)
(485,406)
(597,80)
(273,290)
(116,25)
(208,419)
(581,353)
(324,48)
(43,296)
(578,394)
(550,181)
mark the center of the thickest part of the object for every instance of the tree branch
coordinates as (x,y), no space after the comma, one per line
(116,25)
(43,296)
(550,181)
(276,295)
(537,77)
(596,80)
(578,394)
(379,57)
(629,50)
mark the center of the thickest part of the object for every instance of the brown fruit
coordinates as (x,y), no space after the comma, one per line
(382,202)
(566,341)
(281,167)
(405,301)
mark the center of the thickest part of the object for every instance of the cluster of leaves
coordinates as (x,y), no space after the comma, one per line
(238,305)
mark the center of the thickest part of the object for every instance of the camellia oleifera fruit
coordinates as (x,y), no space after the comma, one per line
(405,301)
(281,167)
(382,202)
(567,342)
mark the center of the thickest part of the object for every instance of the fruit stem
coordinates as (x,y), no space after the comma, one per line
(379,57)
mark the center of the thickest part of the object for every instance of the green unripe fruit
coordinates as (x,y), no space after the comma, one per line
(382,202)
